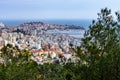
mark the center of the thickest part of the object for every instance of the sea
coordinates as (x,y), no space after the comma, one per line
(83,22)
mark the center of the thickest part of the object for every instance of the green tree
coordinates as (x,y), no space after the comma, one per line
(18,67)
(99,52)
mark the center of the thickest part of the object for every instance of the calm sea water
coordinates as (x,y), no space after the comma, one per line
(82,23)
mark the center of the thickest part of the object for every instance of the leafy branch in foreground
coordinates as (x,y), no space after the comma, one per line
(100,45)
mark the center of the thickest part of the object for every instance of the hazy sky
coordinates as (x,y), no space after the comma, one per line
(54,9)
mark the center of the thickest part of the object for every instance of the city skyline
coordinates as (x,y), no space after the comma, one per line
(54,9)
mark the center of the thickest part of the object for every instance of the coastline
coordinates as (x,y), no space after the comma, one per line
(83,22)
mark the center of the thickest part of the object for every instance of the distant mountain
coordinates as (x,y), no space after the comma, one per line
(49,26)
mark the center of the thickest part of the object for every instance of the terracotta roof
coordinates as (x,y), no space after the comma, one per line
(35,51)
(1,45)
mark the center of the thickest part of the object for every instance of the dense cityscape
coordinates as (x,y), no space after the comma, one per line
(59,39)
(43,40)
(39,51)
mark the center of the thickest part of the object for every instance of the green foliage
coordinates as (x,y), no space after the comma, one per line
(100,47)
(13,71)
(18,67)
(52,72)
(102,33)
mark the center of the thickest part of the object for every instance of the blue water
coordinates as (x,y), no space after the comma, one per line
(82,23)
